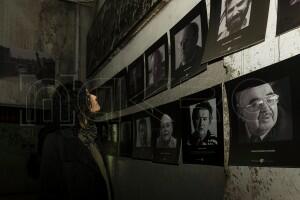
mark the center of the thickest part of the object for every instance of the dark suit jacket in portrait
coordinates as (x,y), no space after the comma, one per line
(194,64)
(194,139)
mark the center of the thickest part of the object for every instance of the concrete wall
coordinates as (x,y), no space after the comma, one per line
(134,179)
(41,25)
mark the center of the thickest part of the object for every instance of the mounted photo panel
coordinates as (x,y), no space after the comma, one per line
(202,125)
(135,81)
(264,116)
(235,25)
(143,139)
(157,67)
(188,38)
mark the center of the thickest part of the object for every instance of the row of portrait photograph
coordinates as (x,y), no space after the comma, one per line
(156,134)
(263,113)
(234,25)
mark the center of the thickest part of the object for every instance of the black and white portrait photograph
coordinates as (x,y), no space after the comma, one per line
(125,146)
(157,66)
(143,129)
(135,81)
(202,125)
(234,17)
(264,114)
(143,135)
(166,127)
(120,91)
(287,15)
(188,38)
(235,25)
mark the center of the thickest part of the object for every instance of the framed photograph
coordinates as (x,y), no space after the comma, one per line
(188,38)
(120,90)
(142,143)
(235,25)
(287,15)
(126,136)
(264,116)
(166,129)
(202,125)
(157,67)
(135,81)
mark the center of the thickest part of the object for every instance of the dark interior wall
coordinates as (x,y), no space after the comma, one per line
(47,26)
(144,180)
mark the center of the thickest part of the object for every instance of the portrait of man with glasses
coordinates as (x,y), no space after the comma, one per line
(262,117)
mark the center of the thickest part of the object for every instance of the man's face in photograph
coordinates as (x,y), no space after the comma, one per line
(202,121)
(166,127)
(188,43)
(236,11)
(258,108)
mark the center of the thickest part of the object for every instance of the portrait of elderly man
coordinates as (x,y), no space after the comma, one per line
(235,16)
(263,118)
(189,51)
(202,115)
(165,138)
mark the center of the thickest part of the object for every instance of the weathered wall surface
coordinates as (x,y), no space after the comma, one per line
(254,183)
(134,179)
(40,25)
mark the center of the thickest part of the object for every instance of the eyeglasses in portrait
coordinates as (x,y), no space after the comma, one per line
(263,112)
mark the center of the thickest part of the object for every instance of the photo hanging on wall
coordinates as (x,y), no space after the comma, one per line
(235,25)
(120,90)
(135,81)
(188,38)
(108,136)
(202,127)
(264,116)
(166,132)
(143,140)
(288,17)
(125,141)
(157,66)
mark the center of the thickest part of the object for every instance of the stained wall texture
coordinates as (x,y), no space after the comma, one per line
(41,25)
(134,179)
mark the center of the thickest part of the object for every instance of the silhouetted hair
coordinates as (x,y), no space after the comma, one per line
(70,101)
